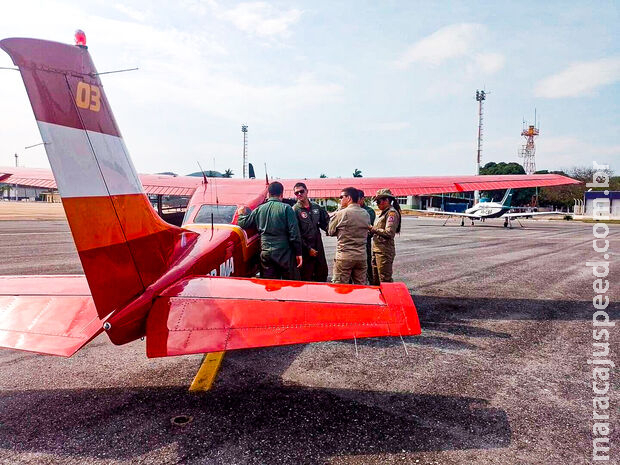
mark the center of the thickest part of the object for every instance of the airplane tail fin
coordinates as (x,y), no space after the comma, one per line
(507,198)
(122,243)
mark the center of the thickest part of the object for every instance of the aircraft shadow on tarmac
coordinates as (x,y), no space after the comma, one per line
(451,313)
(262,423)
(455,317)
(252,416)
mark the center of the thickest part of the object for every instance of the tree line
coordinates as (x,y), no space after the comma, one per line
(556,196)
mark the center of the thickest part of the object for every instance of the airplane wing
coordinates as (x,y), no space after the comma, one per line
(527,215)
(426,185)
(161,184)
(466,215)
(52,315)
(209,314)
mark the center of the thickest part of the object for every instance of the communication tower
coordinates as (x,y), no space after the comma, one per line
(528,151)
(244,130)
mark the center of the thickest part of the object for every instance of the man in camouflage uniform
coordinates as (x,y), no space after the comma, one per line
(386,225)
(371,213)
(311,218)
(280,240)
(350,224)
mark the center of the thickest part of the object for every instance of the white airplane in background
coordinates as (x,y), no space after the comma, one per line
(484,210)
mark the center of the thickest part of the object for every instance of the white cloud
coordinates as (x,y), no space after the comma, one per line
(489,63)
(448,42)
(130,12)
(580,78)
(390,126)
(262,19)
(563,152)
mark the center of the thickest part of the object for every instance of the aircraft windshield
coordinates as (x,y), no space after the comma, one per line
(221,214)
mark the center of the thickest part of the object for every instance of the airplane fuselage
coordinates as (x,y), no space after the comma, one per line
(487,210)
(218,249)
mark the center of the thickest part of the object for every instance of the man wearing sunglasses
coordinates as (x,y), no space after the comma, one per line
(350,224)
(311,218)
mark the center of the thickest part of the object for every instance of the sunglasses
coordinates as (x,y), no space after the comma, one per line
(300,192)
(343,196)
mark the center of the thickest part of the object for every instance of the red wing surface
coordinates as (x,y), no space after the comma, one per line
(426,185)
(208,314)
(52,315)
(321,188)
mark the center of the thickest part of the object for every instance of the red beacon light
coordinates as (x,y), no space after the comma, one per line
(80,38)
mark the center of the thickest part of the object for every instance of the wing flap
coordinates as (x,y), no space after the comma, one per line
(52,315)
(207,314)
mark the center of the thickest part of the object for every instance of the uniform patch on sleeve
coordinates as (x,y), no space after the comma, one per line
(391,218)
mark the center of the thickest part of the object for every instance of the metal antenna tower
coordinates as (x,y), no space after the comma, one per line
(528,151)
(244,130)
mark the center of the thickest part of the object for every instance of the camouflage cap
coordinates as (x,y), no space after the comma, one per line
(384,193)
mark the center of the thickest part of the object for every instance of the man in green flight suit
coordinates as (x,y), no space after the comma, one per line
(280,240)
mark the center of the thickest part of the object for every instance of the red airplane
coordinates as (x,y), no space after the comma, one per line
(188,289)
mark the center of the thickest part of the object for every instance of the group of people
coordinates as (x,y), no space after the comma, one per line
(291,244)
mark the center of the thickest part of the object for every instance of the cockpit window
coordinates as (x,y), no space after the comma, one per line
(222,214)
(188,214)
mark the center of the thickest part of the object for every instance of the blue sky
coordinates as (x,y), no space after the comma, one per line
(325,87)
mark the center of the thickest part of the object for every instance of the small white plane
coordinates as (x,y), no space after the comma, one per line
(483,210)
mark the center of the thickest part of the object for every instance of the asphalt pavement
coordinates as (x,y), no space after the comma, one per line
(499,375)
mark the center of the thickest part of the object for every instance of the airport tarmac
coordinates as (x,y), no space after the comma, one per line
(499,375)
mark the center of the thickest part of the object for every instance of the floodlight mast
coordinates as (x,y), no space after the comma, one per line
(244,130)
(480,97)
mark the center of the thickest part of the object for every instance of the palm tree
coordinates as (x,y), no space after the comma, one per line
(228,173)
(323,175)
(357,173)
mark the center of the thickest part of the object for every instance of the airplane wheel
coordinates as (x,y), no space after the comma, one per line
(505,225)
(462,223)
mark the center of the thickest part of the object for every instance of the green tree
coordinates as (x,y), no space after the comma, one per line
(564,196)
(207,173)
(357,173)
(521,196)
(228,173)
(502,168)
(323,175)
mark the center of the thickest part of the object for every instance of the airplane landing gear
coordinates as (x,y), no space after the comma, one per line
(506,223)
(462,222)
